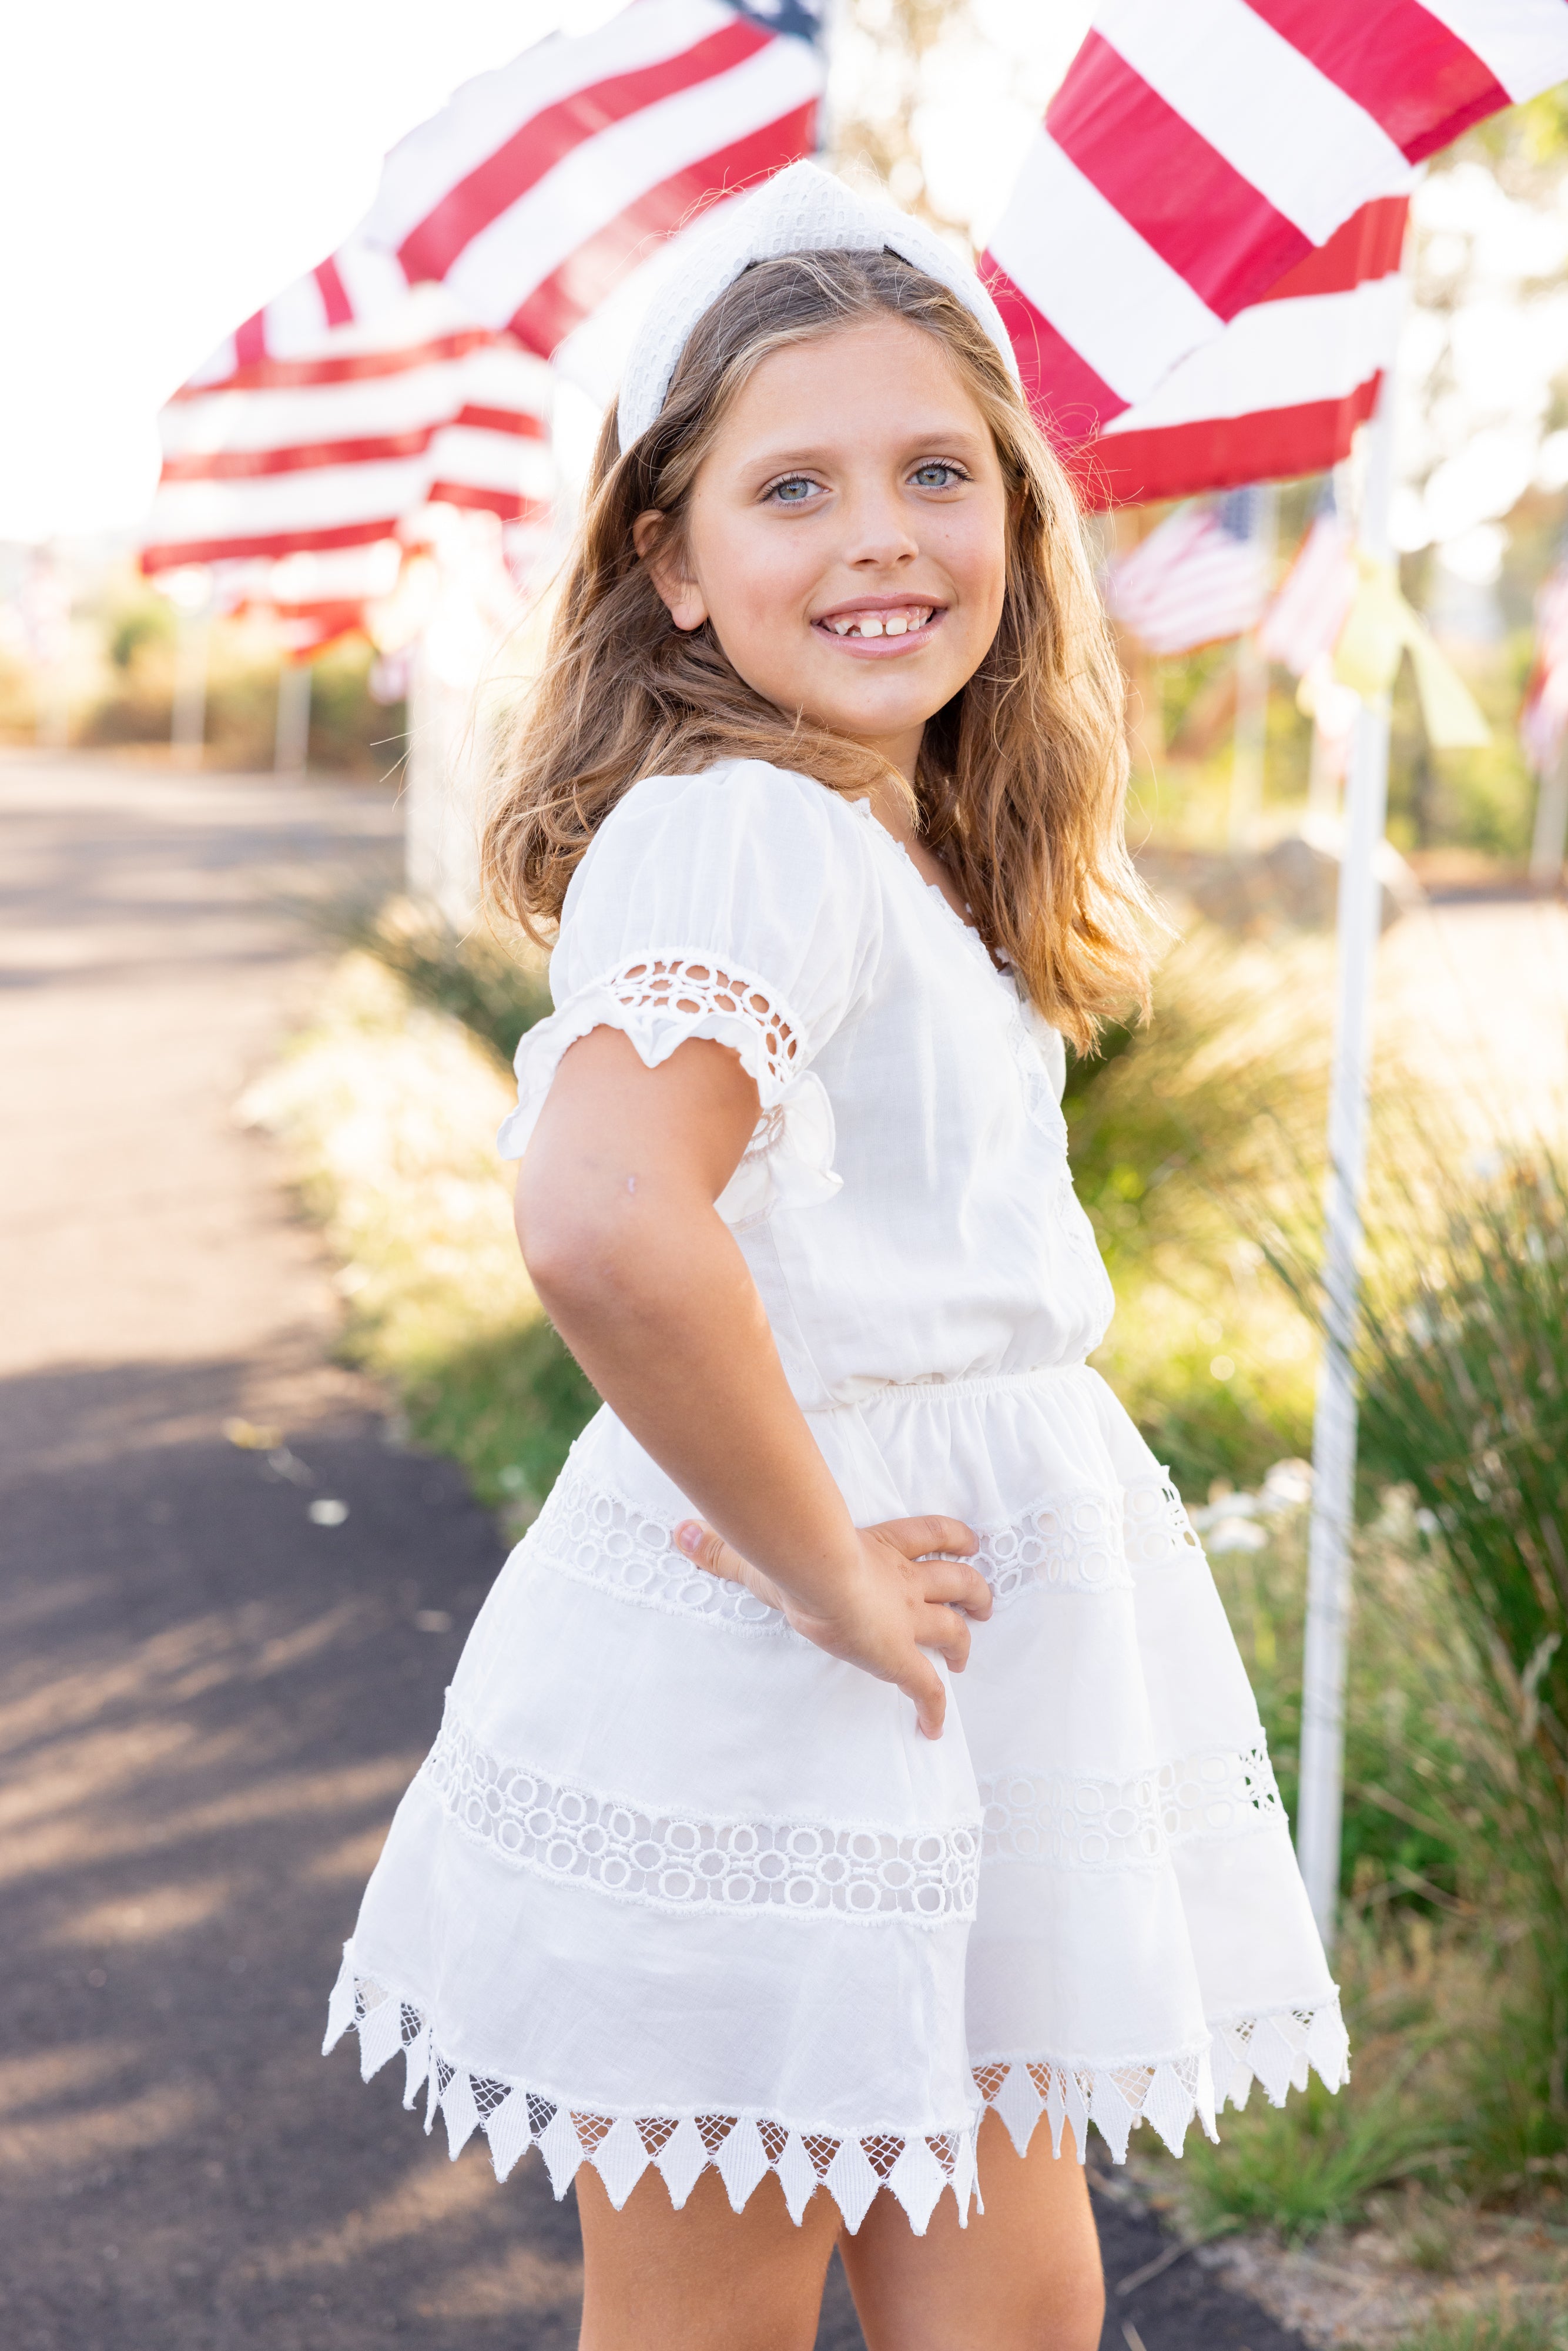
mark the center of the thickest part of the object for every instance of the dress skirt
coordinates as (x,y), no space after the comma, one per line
(674,1887)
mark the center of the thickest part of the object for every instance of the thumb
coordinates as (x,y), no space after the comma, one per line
(709,1552)
(924,1683)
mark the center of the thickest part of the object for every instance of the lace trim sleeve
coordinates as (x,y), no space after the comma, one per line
(660,1001)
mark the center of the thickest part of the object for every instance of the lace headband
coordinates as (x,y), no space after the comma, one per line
(801,210)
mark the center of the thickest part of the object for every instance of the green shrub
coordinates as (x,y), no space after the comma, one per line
(1311,2164)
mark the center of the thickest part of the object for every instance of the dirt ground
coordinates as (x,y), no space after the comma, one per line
(209,1703)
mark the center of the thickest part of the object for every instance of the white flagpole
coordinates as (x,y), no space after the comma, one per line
(1250,742)
(291,735)
(1551,842)
(193,651)
(1334,1429)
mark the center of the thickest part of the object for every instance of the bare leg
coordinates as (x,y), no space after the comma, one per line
(1023,2276)
(705,2278)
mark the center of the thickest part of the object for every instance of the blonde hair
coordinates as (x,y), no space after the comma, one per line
(1021,781)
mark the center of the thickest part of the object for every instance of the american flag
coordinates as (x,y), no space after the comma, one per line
(301,478)
(537,187)
(1302,623)
(1543,721)
(1198,262)
(1200,576)
(408,369)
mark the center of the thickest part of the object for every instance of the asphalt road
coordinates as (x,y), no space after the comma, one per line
(209,1704)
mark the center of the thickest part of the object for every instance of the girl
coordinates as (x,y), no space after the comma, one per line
(852,1769)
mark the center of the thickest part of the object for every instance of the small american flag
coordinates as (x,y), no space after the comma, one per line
(1543,721)
(1199,577)
(1302,625)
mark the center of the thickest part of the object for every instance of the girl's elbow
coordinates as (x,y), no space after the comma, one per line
(573,1254)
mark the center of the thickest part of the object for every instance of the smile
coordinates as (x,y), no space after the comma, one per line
(896,620)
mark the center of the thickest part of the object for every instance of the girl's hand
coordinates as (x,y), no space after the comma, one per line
(896,1603)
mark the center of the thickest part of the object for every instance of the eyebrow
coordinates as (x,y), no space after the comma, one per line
(937,436)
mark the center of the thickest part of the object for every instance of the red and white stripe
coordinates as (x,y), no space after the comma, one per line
(1196,262)
(358,285)
(1191,582)
(303,455)
(1302,623)
(537,186)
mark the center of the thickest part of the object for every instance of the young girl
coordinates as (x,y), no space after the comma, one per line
(853,1767)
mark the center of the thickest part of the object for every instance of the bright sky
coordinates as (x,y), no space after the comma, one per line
(167,167)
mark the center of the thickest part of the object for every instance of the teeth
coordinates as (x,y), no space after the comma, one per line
(890,624)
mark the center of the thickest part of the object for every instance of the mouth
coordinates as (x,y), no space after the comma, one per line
(880,628)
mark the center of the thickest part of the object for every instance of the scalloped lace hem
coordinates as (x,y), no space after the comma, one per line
(1277,2050)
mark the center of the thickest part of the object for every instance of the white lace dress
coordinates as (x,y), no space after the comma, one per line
(673,1887)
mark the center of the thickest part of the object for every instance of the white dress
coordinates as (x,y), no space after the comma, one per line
(675,1887)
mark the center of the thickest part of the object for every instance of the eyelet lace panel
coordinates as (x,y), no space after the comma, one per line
(1081,1824)
(1275,2048)
(688,988)
(1072,1540)
(1084,1541)
(594,1536)
(741,2147)
(800,1868)
(1155,1525)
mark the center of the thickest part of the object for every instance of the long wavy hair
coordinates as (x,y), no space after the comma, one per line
(1021,779)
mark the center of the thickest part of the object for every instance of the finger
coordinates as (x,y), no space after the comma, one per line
(715,1557)
(709,1552)
(923,1683)
(915,1537)
(958,1586)
(947,1632)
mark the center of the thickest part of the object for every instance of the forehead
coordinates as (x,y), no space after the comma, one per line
(879,376)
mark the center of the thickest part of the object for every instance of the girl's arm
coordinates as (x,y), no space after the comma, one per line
(643,1280)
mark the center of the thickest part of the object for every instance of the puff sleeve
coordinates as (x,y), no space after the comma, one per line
(740,906)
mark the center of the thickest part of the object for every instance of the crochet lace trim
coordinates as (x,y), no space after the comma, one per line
(851,1870)
(741,2147)
(1081,1824)
(692,989)
(1275,2049)
(1083,1542)
(802,1868)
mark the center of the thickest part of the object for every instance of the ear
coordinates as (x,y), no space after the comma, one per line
(677,589)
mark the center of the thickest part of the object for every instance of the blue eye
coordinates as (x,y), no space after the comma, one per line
(794,491)
(938,474)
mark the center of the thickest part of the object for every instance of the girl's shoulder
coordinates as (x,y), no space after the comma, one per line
(743,825)
(737,796)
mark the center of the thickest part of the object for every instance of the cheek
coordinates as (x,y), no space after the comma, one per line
(978,562)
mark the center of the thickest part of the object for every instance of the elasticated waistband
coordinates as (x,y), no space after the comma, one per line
(945,1392)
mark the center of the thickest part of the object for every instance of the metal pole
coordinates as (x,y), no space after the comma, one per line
(291,743)
(1334,1427)
(1250,740)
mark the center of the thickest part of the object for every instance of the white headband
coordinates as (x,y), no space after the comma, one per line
(801,210)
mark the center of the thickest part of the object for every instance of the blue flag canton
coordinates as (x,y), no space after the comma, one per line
(1237,512)
(801,19)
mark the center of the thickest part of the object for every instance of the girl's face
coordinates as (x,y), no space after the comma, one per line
(847,534)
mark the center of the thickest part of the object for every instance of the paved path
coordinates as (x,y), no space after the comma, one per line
(209,1705)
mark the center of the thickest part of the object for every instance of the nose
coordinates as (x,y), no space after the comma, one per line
(877,535)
